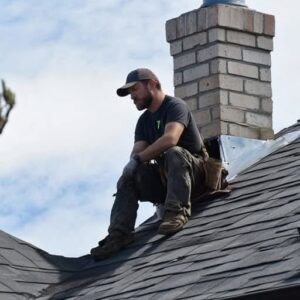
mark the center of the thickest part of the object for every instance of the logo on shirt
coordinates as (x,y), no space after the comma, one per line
(158,124)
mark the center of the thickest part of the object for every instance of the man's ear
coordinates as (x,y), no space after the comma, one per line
(151,84)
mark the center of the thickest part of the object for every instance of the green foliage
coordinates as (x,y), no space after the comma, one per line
(7,102)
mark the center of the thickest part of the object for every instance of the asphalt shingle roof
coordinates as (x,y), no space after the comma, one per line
(294,127)
(26,270)
(231,248)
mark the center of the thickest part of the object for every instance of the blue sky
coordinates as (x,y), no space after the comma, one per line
(69,135)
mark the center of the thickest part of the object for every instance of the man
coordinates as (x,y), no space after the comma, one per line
(165,167)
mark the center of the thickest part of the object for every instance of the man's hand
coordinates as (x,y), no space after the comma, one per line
(131,167)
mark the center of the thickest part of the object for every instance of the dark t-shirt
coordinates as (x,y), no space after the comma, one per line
(151,126)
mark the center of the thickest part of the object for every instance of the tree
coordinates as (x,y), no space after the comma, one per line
(7,102)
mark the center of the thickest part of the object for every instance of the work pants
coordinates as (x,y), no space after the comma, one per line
(173,181)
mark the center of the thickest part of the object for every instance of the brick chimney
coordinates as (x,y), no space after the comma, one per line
(222,68)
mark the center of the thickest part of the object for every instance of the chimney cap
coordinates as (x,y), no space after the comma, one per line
(228,2)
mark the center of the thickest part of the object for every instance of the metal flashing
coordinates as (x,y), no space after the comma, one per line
(239,153)
(227,2)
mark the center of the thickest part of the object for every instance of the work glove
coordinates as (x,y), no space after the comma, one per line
(131,167)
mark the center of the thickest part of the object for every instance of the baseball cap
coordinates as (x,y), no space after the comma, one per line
(133,77)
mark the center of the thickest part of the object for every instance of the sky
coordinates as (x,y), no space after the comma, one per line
(69,135)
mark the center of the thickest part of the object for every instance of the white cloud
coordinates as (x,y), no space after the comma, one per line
(69,135)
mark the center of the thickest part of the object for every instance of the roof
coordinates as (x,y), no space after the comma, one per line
(293,128)
(238,247)
(26,270)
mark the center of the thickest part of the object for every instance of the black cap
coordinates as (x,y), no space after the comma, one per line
(133,77)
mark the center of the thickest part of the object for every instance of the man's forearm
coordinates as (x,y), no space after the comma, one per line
(170,138)
(154,150)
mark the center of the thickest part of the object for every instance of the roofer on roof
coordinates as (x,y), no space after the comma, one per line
(165,166)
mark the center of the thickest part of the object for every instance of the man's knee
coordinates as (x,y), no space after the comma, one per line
(175,157)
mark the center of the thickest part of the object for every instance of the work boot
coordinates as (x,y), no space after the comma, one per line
(172,222)
(112,244)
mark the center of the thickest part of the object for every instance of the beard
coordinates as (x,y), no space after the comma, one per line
(147,101)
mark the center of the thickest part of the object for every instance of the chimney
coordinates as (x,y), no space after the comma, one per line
(222,68)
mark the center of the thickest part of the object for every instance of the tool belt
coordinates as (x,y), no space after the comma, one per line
(215,174)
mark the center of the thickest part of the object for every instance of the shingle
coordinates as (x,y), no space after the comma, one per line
(170,294)
(12,296)
(202,289)
(4,288)
(15,258)
(232,283)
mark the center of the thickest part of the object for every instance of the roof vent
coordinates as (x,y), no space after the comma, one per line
(228,2)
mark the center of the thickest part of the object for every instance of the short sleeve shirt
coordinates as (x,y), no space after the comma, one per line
(151,126)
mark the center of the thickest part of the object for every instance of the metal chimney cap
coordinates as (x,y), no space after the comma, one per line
(228,2)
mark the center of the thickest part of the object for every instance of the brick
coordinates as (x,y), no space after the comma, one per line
(219,50)
(178,78)
(258,26)
(269,25)
(191,22)
(266,134)
(192,103)
(212,16)
(224,127)
(181,26)
(223,97)
(216,112)
(257,57)
(202,117)
(231,16)
(216,34)
(197,72)
(176,47)
(231,82)
(171,30)
(242,69)
(258,120)
(229,51)
(201,17)
(186,90)
(258,88)
(194,40)
(207,53)
(209,83)
(267,105)
(218,66)
(213,98)
(244,131)
(265,74)
(214,129)
(241,38)
(248,20)
(265,43)
(244,101)
(221,81)
(232,115)
(184,60)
